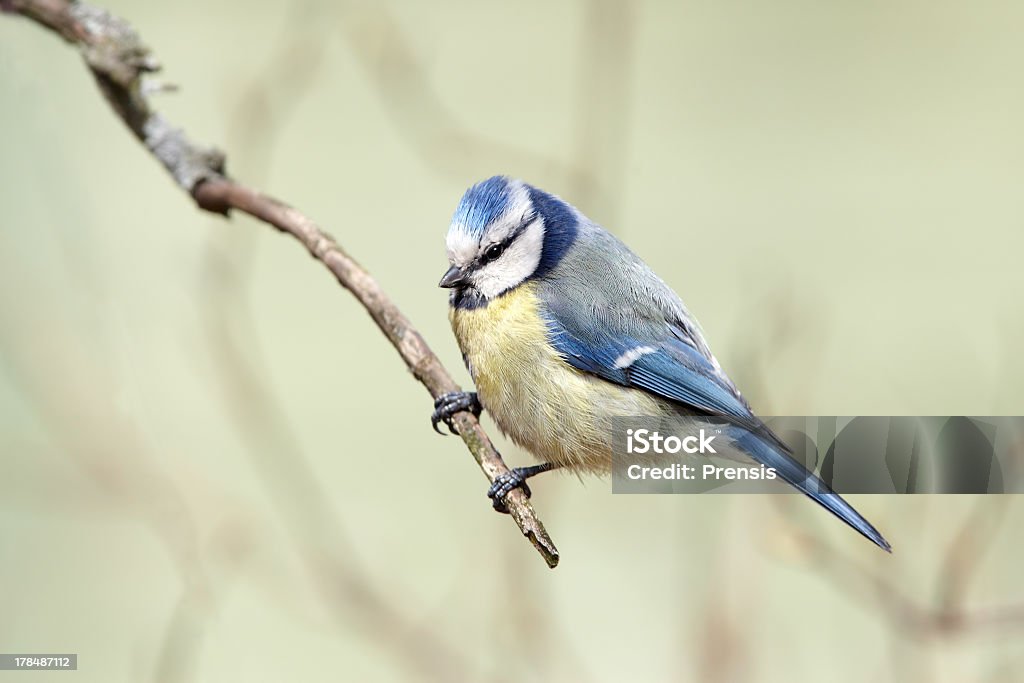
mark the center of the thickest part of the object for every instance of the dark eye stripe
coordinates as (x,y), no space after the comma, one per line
(494,251)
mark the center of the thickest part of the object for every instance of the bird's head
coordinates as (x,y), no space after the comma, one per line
(504,233)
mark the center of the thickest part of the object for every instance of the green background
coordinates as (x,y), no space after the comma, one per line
(213,467)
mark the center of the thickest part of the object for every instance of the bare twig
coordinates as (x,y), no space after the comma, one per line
(122,66)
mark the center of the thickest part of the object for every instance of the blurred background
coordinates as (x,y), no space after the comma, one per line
(213,467)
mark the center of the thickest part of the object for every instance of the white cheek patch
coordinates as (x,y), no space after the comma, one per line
(519,262)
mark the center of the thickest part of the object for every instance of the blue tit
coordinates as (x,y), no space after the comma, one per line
(563,328)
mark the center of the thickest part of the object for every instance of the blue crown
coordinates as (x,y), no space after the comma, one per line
(482,204)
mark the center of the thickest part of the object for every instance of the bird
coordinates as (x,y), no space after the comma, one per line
(562,328)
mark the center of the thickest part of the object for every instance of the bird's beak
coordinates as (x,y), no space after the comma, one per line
(453,278)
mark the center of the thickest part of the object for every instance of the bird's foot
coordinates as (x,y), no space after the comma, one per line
(515,478)
(453,402)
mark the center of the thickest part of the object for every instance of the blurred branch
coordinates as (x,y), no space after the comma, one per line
(968,548)
(603,97)
(419,112)
(946,618)
(344,585)
(71,392)
(598,160)
(122,67)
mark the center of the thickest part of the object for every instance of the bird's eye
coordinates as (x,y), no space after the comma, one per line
(493,252)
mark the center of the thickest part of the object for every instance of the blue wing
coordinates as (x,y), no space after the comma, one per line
(672,369)
(669,358)
(666,361)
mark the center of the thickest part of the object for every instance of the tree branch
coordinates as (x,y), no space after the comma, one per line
(123,68)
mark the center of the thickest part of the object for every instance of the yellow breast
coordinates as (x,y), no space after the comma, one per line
(545,405)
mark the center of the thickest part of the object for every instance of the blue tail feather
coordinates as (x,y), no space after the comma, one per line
(772,455)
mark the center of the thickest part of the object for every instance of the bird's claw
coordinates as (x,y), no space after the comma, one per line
(505,482)
(447,405)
